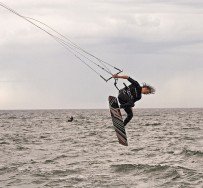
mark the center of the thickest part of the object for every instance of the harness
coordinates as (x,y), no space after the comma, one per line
(125,90)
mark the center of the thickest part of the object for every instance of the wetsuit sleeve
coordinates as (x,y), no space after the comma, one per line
(135,83)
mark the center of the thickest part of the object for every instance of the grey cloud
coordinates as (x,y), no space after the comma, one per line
(156,44)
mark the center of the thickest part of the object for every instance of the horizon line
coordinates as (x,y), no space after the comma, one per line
(33,109)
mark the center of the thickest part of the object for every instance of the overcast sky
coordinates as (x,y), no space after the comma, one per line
(159,42)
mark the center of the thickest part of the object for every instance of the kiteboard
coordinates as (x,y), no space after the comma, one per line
(117,120)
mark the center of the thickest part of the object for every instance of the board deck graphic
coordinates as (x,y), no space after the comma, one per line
(117,120)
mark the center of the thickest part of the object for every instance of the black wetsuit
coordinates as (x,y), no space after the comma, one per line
(128,96)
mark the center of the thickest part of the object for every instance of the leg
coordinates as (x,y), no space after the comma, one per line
(129,112)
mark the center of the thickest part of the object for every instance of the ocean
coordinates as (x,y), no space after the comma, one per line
(40,148)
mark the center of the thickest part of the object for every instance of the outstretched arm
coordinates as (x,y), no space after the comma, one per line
(128,78)
(120,76)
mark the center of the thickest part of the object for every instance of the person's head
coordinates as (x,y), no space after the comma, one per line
(147,89)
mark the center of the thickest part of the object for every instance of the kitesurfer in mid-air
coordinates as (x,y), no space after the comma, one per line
(130,94)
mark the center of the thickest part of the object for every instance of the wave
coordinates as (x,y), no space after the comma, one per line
(4,143)
(55,159)
(12,117)
(137,149)
(21,148)
(152,124)
(189,152)
(158,172)
(55,173)
(140,167)
(60,156)
(8,169)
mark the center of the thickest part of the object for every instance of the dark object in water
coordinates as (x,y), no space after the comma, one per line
(71,119)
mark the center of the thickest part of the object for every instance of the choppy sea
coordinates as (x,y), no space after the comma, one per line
(39,148)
